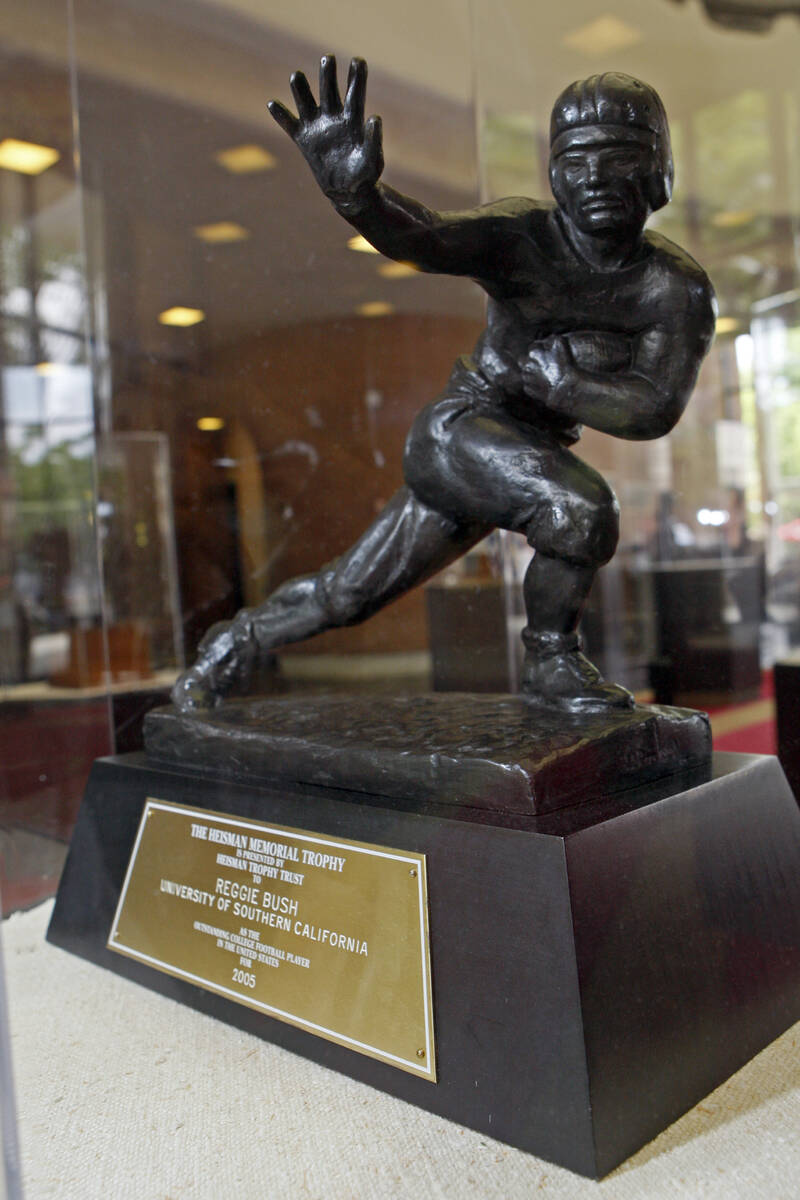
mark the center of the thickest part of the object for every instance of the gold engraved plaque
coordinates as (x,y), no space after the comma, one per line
(324,933)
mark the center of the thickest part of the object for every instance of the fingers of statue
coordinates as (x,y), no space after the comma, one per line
(373,143)
(329,99)
(303,97)
(555,346)
(538,360)
(355,97)
(551,356)
(286,119)
(536,382)
(541,372)
(344,152)
(546,369)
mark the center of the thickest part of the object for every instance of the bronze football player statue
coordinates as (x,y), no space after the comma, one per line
(591,321)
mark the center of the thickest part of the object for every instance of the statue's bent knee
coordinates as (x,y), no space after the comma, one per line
(583,530)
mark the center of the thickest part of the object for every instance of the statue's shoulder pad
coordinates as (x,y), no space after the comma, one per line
(677,265)
(516,208)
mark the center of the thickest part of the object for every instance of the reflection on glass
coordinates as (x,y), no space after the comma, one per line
(137,545)
(49,586)
(49,458)
(280,369)
(249,446)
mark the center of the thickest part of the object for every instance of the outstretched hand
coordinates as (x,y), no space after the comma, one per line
(343,150)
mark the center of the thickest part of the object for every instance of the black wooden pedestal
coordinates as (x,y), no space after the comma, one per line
(595,972)
(787,718)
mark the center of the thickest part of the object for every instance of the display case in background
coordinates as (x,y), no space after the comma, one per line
(207,381)
(49,576)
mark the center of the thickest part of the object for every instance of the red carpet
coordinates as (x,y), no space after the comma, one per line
(747,728)
(753,739)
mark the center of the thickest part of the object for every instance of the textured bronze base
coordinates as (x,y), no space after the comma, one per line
(494,753)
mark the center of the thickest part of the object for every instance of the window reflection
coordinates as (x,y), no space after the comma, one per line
(49,446)
(49,586)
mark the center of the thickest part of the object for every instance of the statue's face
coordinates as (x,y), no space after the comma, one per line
(602,185)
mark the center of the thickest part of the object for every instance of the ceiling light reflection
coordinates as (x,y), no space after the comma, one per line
(713,516)
(375,308)
(605,35)
(732,220)
(243,160)
(221,231)
(357,242)
(181,317)
(27,158)
(398,270)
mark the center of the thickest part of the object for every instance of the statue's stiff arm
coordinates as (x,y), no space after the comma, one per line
(457,243)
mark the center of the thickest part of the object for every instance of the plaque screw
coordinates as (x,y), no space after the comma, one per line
(420,1054)
(413,872)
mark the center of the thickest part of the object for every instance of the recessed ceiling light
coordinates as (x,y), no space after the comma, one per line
(727,324)
(732,220)
(241,160)
(604,35)
(360,243)
(221,231)
(210,424)
(26,157)
(398,270)
(375,308)
(181,316)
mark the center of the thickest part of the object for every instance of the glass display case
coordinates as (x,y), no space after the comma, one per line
(11,1179)
(207,379)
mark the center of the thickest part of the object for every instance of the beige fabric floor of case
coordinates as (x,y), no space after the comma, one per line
(125,1095)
